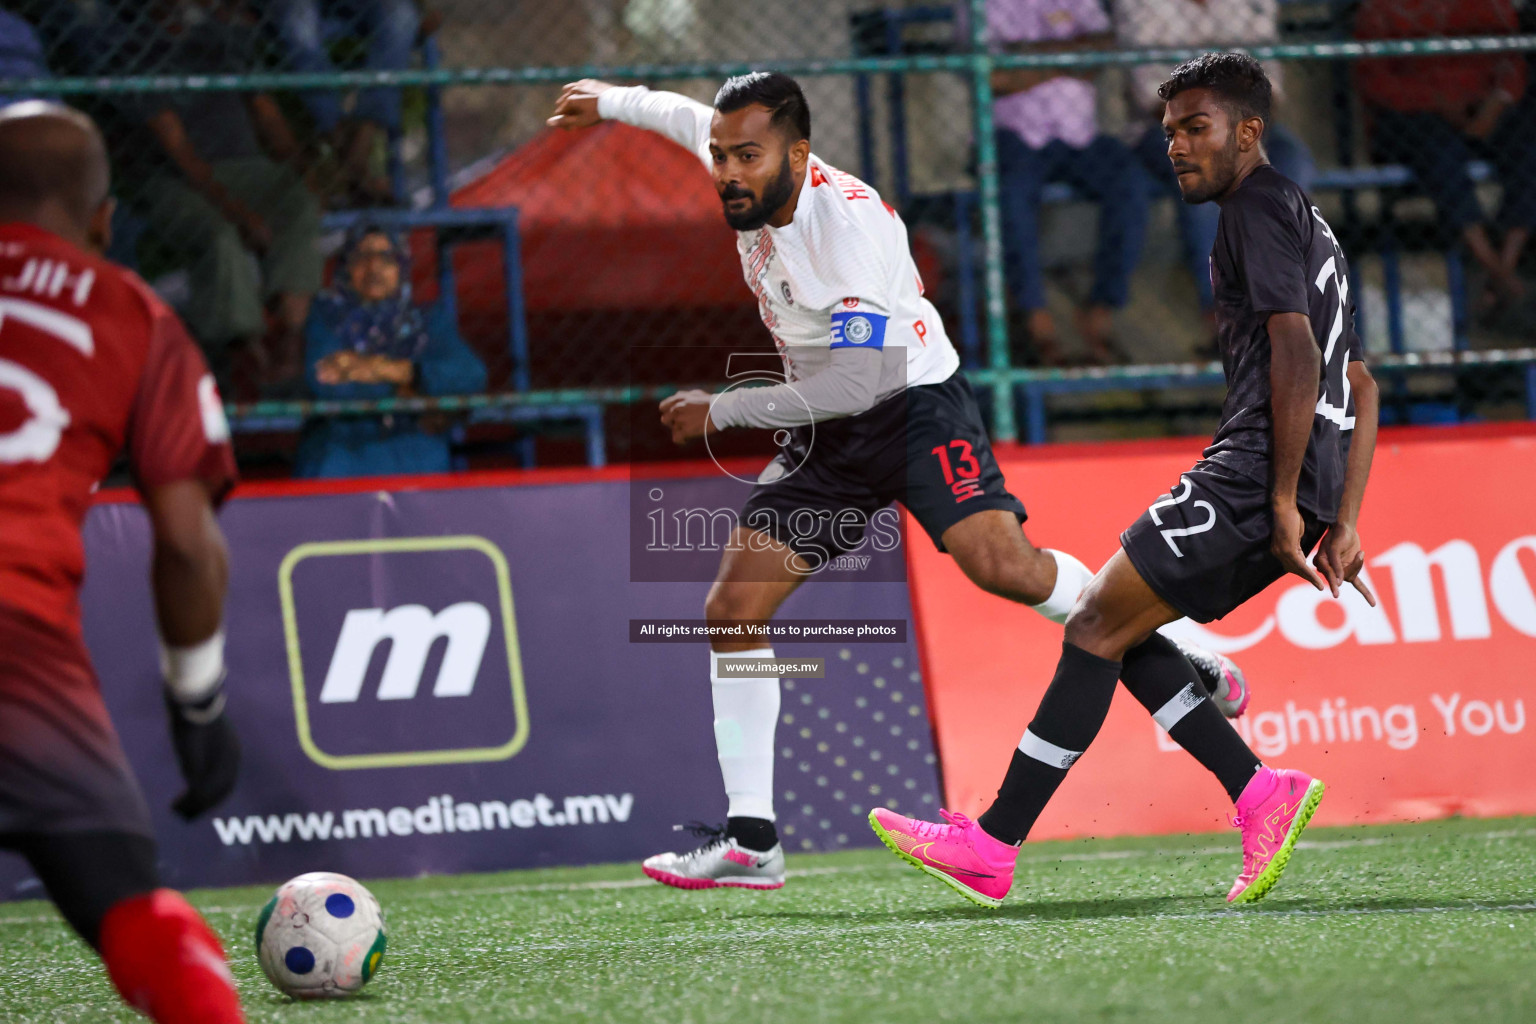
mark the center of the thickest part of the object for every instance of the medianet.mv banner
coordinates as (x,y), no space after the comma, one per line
(453,680)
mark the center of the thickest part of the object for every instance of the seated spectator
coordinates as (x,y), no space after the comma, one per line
(1047,131)
(21,54)
(366,338)
(1218,24)
(218,176)
(388,30)
(1434,114)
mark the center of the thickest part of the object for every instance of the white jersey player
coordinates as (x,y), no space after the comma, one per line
(872,406)
(838,274)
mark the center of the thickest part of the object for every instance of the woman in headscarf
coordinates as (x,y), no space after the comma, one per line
(367,338)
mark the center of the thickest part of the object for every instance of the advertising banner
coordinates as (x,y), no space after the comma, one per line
(443,680)
(1419,708)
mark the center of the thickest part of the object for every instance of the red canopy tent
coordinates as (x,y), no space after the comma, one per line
(611,218)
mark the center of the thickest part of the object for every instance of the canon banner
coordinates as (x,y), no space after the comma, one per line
(1421,707)
(444,681)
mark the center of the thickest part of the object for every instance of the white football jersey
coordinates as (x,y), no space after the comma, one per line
(840,273)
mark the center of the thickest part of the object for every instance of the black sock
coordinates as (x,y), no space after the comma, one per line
(1066,722)
(1157,674)
(757,834)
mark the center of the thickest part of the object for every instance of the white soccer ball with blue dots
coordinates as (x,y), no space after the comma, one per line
(320,936)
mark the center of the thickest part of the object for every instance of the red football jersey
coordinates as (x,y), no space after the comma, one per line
(91,360)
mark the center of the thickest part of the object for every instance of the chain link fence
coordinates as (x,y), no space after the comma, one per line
(570,276)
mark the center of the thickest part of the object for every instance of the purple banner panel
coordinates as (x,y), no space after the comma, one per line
(443,681)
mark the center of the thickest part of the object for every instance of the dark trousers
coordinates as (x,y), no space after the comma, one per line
(1107,172)
(1437,153)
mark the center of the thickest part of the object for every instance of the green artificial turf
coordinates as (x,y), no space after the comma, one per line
(1433,922)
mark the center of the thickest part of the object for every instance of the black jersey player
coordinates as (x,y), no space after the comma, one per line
(1285,473)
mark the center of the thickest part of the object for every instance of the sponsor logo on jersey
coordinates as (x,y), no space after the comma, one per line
(866,330)
(784,287)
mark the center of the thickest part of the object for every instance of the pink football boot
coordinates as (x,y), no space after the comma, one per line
(959,854)
(1271,812)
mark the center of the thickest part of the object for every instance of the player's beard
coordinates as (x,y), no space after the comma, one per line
(775,195)
(1223,170)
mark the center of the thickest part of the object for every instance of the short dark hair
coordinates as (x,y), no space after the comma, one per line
(778,92)
(1238,81)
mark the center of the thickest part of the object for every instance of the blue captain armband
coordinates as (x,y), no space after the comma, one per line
(858,329)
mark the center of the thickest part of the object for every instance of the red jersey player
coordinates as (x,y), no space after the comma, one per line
(92,362)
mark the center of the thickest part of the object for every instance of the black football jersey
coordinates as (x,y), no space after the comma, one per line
(1275,253)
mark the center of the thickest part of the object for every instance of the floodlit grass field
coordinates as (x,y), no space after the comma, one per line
(1431,922)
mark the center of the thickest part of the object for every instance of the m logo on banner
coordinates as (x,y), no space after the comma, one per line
(481,717)
(411,630)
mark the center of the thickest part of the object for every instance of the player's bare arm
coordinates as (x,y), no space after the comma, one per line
(189,576)
(577,105)
(1340,556)
(190,571)
(1294,366)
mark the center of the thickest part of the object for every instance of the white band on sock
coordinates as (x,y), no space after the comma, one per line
(1179,705)
(1071,577)
(192,672)
(1047,752)
(746,715)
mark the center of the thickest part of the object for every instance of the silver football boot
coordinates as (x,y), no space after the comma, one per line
(720,862)
(1220,676)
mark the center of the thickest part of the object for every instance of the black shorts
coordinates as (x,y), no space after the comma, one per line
(62,769)
(1204,546)
(926,448)
(86,874)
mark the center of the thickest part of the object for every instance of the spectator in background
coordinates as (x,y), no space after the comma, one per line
(1204,23)
(21,52)
(366,338)
(1434,114)
(1047,131)
(387,30)
(219,177)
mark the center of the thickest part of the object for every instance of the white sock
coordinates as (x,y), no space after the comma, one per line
(1071,577)
(746,713)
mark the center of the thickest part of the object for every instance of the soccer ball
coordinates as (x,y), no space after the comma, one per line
(320,936)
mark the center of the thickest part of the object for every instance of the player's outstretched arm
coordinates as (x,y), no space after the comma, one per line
(1340,555)
(585,103)
(849,385)
(577,105)
(189,576)
(1294,366)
